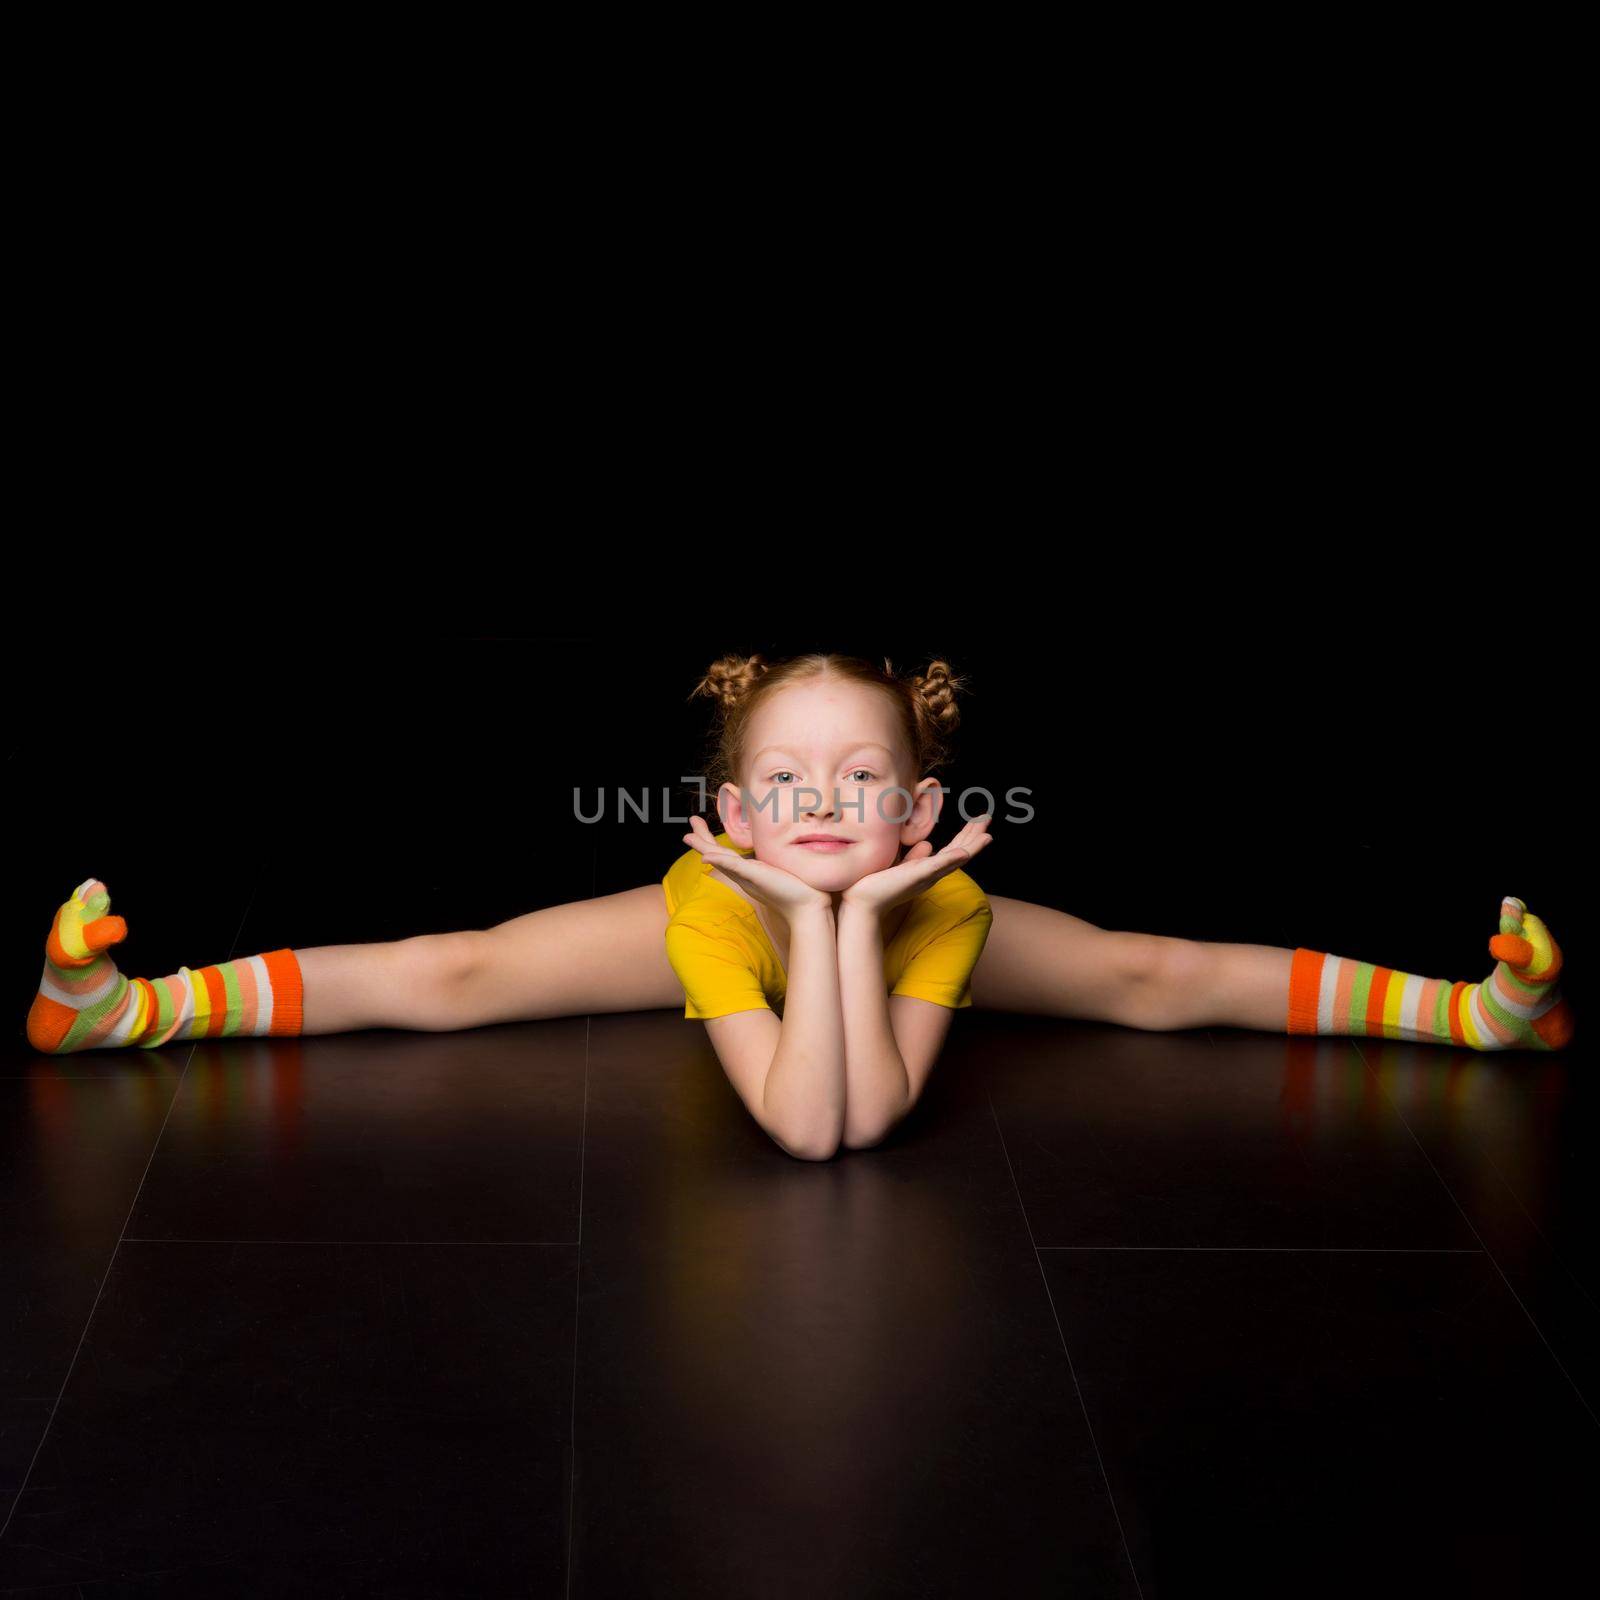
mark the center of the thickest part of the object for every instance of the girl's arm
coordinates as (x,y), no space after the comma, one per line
(803,1089)
(804,1094)
(878,1078)
(877,1087)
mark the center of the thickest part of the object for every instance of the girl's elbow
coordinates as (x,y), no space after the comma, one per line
(802,1146)
(863,1141)
(810,1152)
(872,1133)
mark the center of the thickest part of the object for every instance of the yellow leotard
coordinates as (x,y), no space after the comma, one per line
(726,963)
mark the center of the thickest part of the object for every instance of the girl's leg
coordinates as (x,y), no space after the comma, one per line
(1519,1006)
(85,1003)
(1041,960)
(1047,962)
(607,953)
(404,983)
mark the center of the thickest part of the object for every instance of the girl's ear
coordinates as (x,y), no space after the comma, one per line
(735,822)
(928,802)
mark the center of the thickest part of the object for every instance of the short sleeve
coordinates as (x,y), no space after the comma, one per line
(715,971)
(941,969)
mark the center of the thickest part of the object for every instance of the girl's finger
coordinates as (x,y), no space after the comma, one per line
(975,835)
(700,836)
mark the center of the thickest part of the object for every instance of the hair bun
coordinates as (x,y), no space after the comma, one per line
(937,688)
(730,678)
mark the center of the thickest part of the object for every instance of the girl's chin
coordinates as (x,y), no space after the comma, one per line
(834,872)
(827,873)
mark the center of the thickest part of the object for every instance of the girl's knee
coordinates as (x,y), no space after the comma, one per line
(441,971)
(1167,981)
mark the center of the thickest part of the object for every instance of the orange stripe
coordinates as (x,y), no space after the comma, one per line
(1305,984)
(217,991)
(288,991)
(1453,1011)
(1376,996)
(1556,1026)
(49,1022)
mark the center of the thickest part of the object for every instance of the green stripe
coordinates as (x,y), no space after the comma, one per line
(164,1012)
(84,1023)
(1441,1012)
(1355,1020)
(70,975)
(1498,1011)
(230,984)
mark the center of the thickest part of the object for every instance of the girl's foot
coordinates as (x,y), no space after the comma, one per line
(83,1001)
(1520,1005)
(1517,1007)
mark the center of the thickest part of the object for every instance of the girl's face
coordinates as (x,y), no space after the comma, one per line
(825,758)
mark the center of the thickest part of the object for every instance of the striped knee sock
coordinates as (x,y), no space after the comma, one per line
(84,1003)
(1518,1006)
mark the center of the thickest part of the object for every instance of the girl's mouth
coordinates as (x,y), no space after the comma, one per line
(825,847)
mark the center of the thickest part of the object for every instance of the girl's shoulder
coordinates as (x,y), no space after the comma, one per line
(949,900)
(691,890)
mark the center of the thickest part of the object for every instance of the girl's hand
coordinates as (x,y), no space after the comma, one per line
(772,886)
(881,891)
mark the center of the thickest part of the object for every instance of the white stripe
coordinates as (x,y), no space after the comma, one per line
(1551,997)
(1518,1008)
(1325,995)
(186,1010)
(124,1028)
(78,1002)
(1410,999)
(263,994)
(1487,1036)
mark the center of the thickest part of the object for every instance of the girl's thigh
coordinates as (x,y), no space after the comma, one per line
(1048,962)
(607,953)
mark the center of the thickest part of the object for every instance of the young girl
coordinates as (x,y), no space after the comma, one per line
(822,940)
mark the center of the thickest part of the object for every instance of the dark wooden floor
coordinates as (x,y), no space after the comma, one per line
(538,1309)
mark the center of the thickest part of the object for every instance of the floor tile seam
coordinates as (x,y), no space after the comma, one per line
(1510,1288)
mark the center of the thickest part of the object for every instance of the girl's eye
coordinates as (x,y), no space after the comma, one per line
(777,775)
